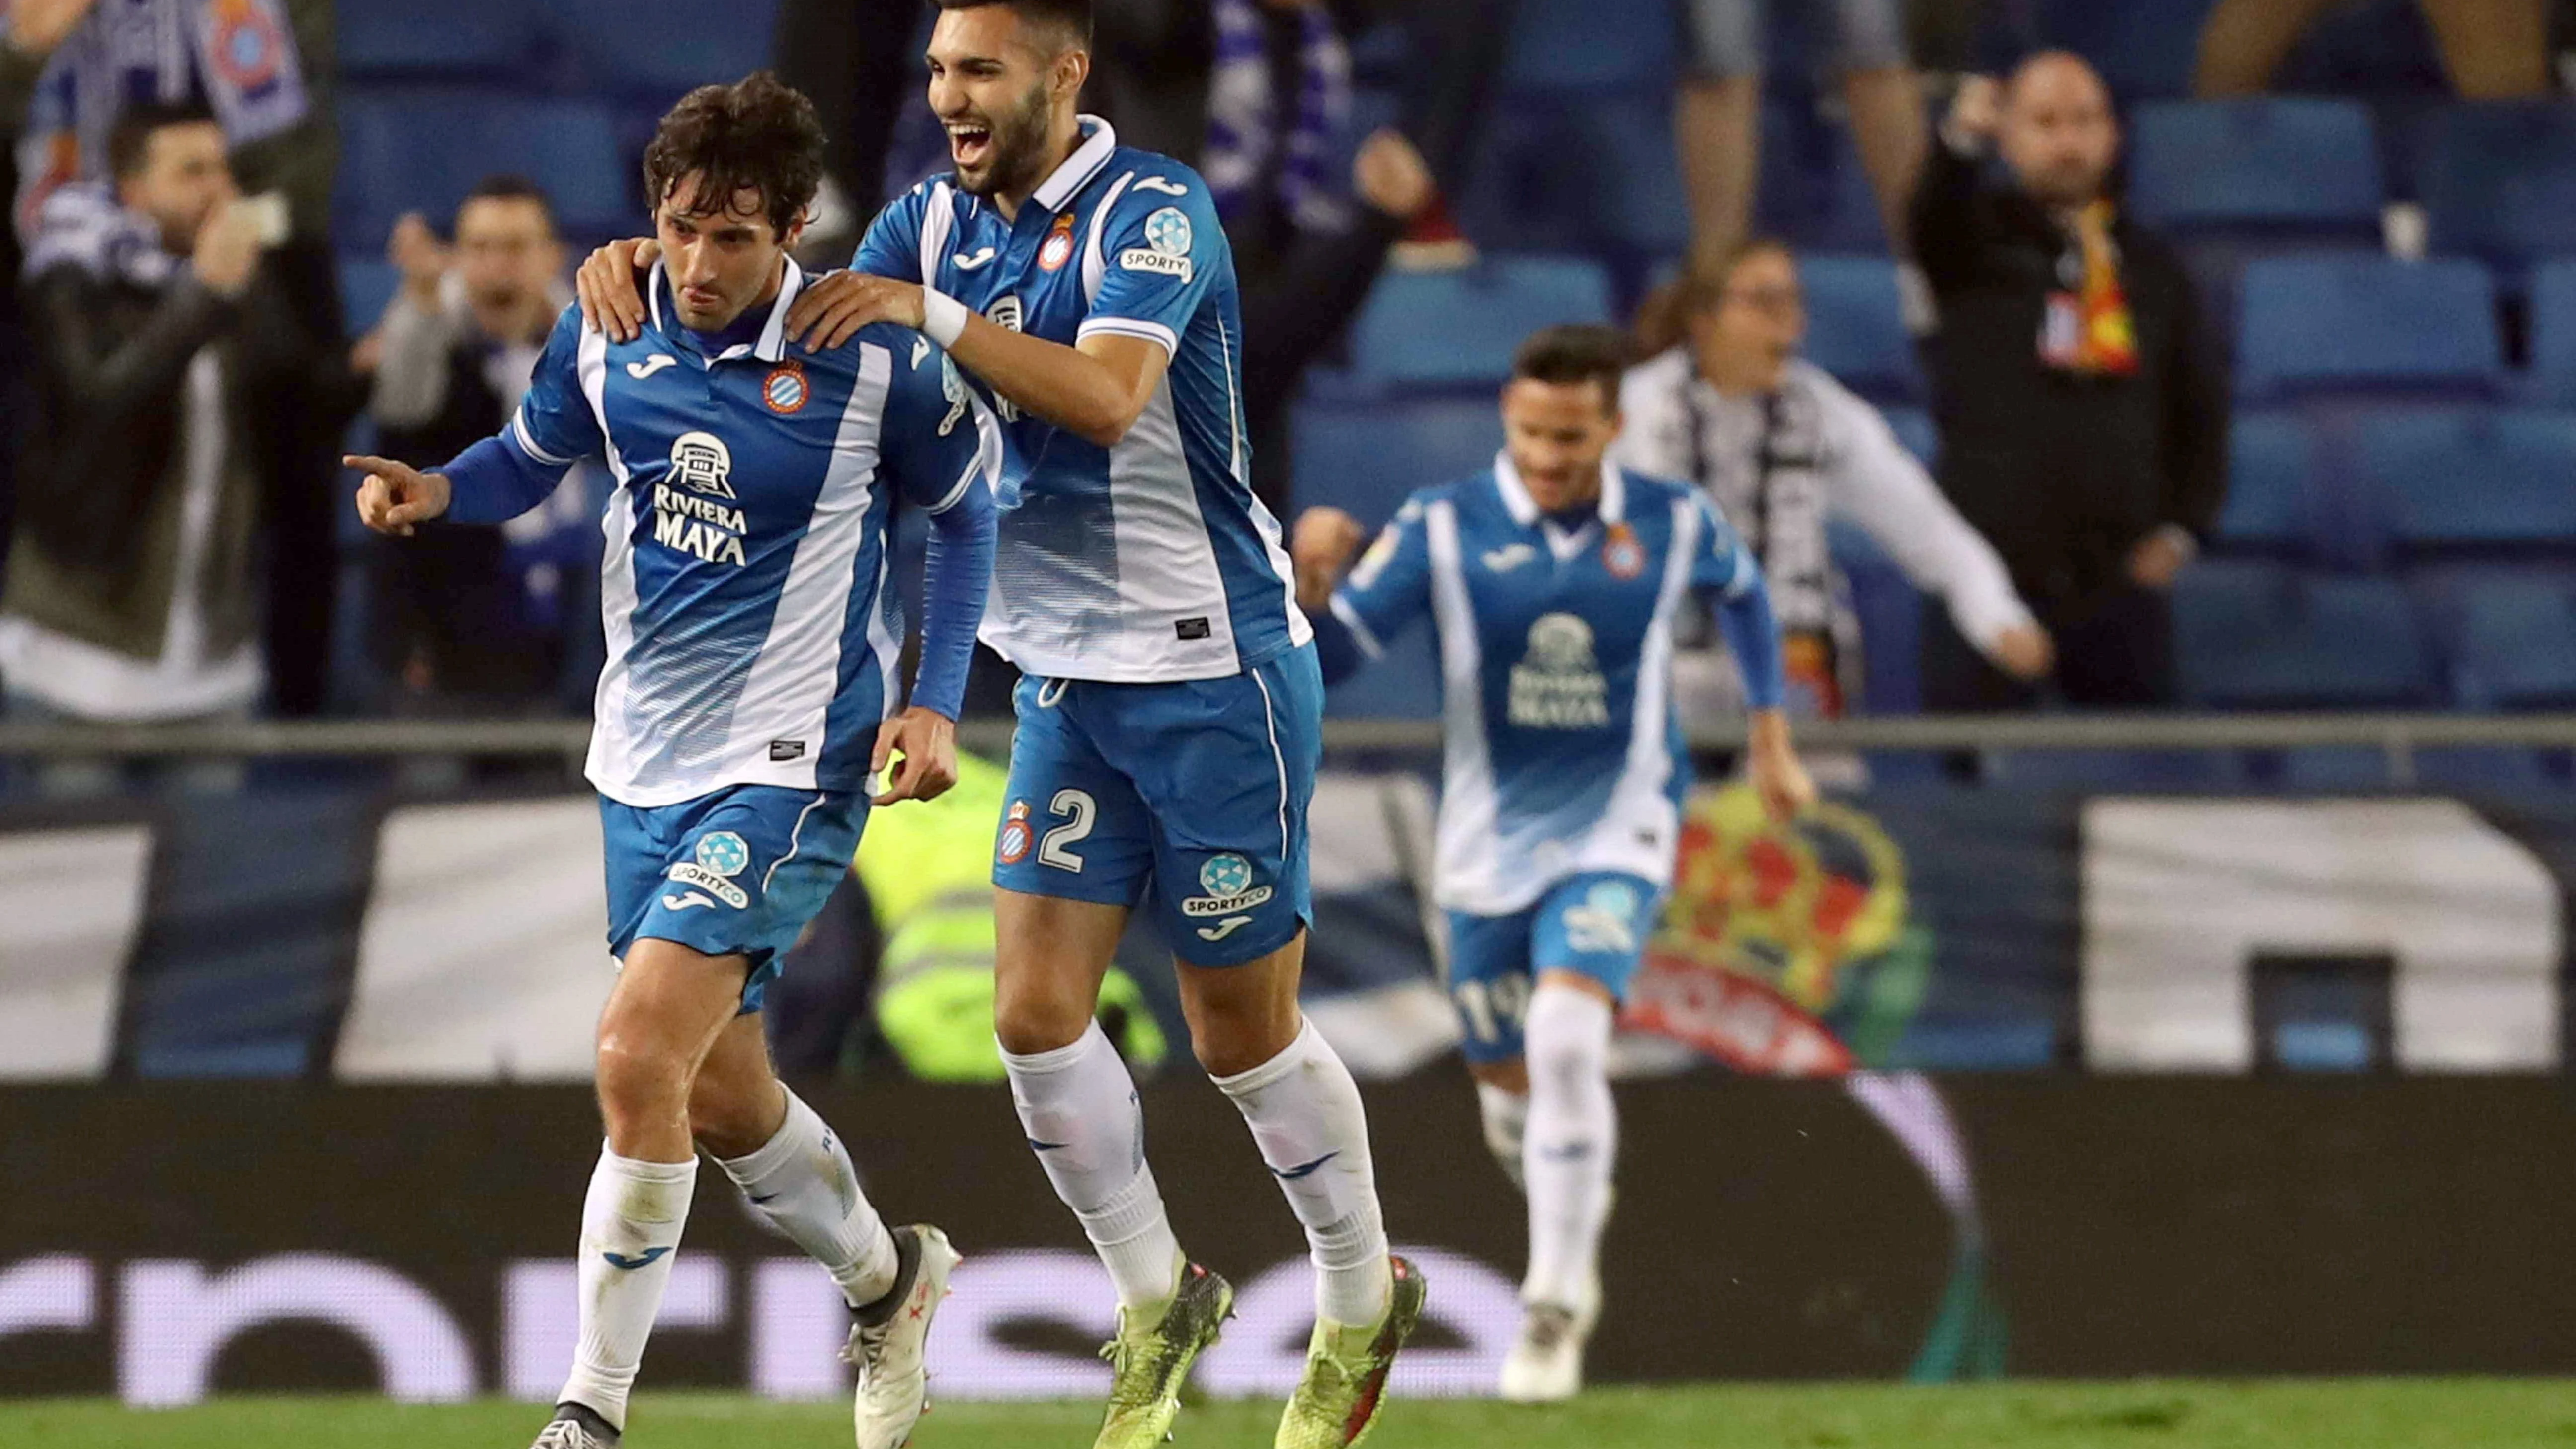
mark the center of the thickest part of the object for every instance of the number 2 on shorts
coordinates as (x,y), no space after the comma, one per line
(1077,808)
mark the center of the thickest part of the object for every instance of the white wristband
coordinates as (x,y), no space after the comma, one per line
(943,317)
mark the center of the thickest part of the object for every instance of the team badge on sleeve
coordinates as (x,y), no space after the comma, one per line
(1014,844)
(1167,246)
(785,390)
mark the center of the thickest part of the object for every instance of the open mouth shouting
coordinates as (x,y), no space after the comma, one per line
(970,144)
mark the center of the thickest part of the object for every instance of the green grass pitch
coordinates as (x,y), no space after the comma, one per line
(2317,1414)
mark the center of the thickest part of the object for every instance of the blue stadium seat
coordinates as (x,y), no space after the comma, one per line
(2270,460)
(1856,326)
(1598,176)
(366,285)
(2500,181)
(2267,168)
(2553,332)
(2517,643)
(422,148)
(1363,458)
(2471,478)
(458,38)
(2258,636)
(1620,47)
(1455,330)
(2325,321)
(2114,769)
(663,48)
(2464,767)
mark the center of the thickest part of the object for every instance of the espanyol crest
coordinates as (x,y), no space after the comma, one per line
(1168,231)
(1621,553)
(785,390)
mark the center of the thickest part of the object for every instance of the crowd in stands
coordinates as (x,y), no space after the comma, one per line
(2043,354)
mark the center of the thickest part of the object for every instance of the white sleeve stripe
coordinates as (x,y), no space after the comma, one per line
(1131,327)
(1741,582)
(528,442)
(1360,631)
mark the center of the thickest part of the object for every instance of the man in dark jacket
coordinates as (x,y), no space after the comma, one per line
(132,592)
(2083,412)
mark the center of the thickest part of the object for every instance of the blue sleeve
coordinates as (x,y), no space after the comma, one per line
(1161,249)
(1724,569)
(892,245)
(500,478)
(1385,593)
(943,448)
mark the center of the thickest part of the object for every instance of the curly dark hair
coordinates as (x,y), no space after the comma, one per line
(758,134)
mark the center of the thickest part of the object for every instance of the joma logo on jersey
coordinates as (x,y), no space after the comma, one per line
(1557,686)
(688,517)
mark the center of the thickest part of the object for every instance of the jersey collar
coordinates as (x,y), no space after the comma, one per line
(772,345)
(1524,509)
(1087,161)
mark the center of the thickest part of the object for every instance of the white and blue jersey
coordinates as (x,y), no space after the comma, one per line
(1564,757)
(751,641)
(1149,561)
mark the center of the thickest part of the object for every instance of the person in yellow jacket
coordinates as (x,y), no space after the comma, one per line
(929,874)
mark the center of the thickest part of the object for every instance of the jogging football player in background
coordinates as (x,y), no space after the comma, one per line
(1554,581)
(747,701)
(1170,720)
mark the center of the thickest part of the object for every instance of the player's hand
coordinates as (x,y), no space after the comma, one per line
(926,742)
(227,251)
(1779,776)
(2159,558)
(421,257)
(610,302)
(833,307)
(2025,652)
(1322,547)
(1391,175)
(396,497)
(1976,112)
(39,27)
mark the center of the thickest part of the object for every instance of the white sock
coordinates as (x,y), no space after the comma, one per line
(801,1180)
(1078,1106)
(1506,1123)
(1573,1137)
(633,1216)
(1305,1115)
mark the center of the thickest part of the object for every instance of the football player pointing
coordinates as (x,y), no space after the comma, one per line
(1553,581)
(1170,719)
(747,700)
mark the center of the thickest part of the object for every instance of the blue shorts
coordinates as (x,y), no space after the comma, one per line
(1596,924)
(1198,789)
(735,872)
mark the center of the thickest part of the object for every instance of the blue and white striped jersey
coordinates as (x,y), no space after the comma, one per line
(1563,754)
(1151,560)
(750,636)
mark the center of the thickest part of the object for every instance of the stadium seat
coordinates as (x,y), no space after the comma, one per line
(2113,769)
(2146,49)
(1598,176)
(2261,168)
(2449,479)
(2553,332)
(2465,767)
(1363,458)
(2500,181)
(1619,47)
(1856,327)
(1455,330)
(2322,321)
(422,148)
(366,285)
(2270,460)
(457,38)
(662,48)
(2258,636)
(2517,643)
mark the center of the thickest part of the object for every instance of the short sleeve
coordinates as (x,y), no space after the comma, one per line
(939,437)
(1161,249)
(555,427)
(1391,586)
(892,245)
(1722,564)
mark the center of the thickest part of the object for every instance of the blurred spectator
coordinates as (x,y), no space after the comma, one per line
(2493,49)
(1719,110)
(132,593)
(263,68)
(2083,415)
(466,615)
(1778,443)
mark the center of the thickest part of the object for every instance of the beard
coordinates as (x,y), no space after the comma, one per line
(1018,149)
